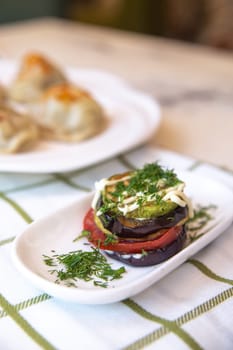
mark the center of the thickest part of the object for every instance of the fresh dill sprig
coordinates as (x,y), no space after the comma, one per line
(111,238)
(147,178)
(144,252)
(48,260)
(83,265)
(84,233)
(202,216)
(148,181)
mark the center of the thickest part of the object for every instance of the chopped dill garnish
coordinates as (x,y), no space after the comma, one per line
(144,252)
(83,265)
(142,183)
(111,238)
(200,219)
(145,180)
(84,233)
(48,260)
(100,284)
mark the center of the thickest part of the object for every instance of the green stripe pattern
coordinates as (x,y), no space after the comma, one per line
(180,321)
(167,326)
(170,326)
(22,323)
(17,207)
(204,269)
(6,241)
(70,183)
(27,303)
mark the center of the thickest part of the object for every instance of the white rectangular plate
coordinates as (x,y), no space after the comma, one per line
(57,232)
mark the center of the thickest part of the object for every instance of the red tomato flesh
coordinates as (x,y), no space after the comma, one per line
(97,237)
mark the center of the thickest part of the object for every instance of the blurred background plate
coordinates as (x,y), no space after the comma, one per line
(133,118)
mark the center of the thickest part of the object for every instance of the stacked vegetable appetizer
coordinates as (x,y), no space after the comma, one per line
(139,217)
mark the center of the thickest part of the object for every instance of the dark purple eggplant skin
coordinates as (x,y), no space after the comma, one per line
(143,227)
(153,257)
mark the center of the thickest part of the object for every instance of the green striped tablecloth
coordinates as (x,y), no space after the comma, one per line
(192,307)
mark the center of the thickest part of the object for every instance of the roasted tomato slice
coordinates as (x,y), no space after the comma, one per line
(97,237)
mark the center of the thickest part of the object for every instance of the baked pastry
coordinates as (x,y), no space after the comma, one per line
(69,113)
(35,74)
(139,217)
(17,131)
(2,94)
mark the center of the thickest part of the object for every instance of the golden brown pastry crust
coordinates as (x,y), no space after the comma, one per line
(35,74)
(3,94)
(69,113)
(66,93)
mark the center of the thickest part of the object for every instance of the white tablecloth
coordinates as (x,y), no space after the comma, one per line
(191,308)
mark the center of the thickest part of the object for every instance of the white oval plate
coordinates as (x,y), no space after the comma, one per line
(57,232)
(133,119)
